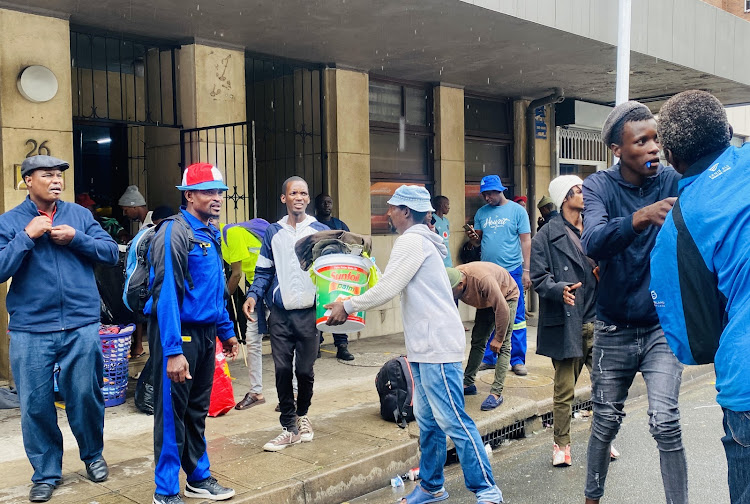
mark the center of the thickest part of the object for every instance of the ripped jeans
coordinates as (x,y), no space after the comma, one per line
(618,354)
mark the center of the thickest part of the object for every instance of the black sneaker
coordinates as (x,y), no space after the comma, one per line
(209,489)
(344,354)
(167,499)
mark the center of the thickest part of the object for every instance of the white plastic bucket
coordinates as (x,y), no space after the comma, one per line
(340,276)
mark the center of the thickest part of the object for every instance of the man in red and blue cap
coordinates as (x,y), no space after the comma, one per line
(186,318)
(502,227)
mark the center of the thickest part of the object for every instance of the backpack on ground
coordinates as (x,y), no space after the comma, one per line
(395,385)
(136,291)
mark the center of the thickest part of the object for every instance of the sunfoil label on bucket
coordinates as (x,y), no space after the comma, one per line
(339,277)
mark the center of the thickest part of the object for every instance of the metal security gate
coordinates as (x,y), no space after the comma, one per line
(580,152)
(285,101)
(229,148)
(283,136)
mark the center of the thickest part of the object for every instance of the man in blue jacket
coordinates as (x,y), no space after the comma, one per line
(49,248)
(700,263)
(624,208)
(188,311)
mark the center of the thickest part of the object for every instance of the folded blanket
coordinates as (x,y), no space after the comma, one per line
(313,246)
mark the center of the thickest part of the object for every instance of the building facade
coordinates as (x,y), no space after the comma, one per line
(356,98)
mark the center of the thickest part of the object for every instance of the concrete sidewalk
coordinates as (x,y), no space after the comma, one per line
(354,450)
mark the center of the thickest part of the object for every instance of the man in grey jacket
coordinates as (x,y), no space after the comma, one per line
(435,345)
(565,280)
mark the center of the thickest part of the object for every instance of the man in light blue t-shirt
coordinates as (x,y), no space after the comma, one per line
(503,229)
(442,206)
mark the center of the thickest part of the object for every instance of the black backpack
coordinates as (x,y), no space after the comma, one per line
(395,385)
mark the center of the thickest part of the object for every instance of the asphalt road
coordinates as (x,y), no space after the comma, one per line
(525,474)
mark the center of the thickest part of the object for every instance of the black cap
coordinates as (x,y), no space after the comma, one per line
(42,162)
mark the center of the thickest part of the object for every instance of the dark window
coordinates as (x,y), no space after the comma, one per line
(401,143)
(488,145)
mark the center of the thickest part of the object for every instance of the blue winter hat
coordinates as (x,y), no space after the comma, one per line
(491,183)
(415,197)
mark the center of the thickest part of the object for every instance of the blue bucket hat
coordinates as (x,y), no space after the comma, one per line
(491,183)
(415,197)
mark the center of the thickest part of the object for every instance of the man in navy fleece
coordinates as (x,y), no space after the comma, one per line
(49,248)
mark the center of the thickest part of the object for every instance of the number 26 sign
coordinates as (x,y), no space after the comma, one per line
(34,149)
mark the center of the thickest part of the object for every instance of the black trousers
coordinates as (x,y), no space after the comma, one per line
(293,330)
(180,409)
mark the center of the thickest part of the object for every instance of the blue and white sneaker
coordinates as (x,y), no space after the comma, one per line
(209,489)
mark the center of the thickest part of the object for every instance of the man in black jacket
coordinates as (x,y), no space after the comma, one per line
(565,280)
(625,207)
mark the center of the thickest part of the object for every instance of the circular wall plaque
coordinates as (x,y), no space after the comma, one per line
(37,83)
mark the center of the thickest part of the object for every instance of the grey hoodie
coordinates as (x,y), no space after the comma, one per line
(432,327)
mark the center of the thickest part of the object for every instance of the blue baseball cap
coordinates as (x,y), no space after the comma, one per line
(415,197)
(491,183)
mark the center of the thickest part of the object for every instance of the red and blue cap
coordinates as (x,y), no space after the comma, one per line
(200,176)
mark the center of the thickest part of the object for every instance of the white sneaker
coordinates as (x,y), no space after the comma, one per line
(305,429)
(561,457)
(286,438)
(613,453)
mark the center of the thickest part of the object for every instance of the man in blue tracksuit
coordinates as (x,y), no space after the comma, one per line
(188,311)
(700,266)
(624,208)
(49,248)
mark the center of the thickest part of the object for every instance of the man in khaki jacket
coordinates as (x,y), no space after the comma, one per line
(493,291)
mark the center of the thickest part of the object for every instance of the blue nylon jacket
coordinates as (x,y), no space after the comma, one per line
(53,287)
(701,272)
(623,255)
(279,279)
(173,301)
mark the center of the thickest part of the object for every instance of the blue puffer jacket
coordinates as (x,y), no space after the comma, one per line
(622,253)
(53,287)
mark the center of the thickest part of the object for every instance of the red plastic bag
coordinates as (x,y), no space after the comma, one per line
(222,393)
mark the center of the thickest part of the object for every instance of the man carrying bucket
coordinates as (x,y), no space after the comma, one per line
(49,248)
(435,345)
(290,295)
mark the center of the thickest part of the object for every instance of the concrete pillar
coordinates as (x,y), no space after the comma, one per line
(450,169)
(347,122)
(212,93)
(28,39)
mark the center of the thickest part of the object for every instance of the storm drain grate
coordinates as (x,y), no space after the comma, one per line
(494,439)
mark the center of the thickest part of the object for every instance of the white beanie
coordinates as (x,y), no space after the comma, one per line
(560,186)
